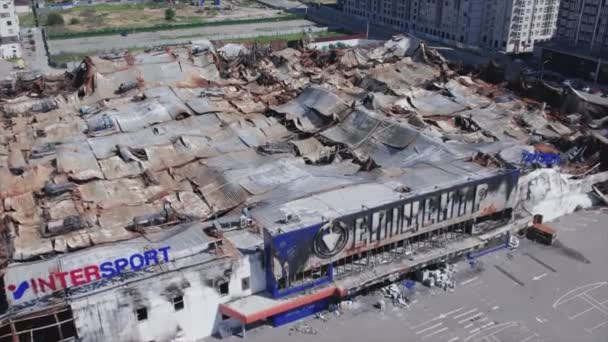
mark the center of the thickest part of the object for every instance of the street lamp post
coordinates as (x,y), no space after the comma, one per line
(597,70)
(542,68)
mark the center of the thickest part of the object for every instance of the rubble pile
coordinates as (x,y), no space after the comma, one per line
(303,329)
(441,277)
(394,293)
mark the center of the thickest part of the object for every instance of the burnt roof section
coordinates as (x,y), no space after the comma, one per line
(132,143)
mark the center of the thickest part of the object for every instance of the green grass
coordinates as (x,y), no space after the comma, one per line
(113,31)
(287,37)
(27,20)
(61,59)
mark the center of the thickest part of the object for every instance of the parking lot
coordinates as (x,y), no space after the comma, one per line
(532,294)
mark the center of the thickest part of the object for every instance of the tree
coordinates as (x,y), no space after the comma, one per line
(53,19)
(74,21)
(169,14)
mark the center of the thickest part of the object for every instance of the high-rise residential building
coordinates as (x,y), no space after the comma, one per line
(10,46)
(511,26)
(583,24)
(580,46)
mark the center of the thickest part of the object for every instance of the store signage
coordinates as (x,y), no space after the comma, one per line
(83,275)
(546,158)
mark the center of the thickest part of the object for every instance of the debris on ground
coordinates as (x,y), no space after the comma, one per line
(395,294)
(381,304)
(303,329)
(513,242)
(441,277)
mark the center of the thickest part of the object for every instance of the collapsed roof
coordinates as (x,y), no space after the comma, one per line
(125,145)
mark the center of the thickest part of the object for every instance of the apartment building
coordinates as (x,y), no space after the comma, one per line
(583,24)
(580,46)
(511,26)
(9,30)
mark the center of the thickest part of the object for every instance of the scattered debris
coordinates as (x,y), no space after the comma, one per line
(303,329)
(381,305)
(394,293)
(441,277)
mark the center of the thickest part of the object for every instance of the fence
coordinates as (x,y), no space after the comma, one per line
(113,31)
(174,42)
(274,33)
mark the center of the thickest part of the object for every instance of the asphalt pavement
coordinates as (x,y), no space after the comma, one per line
(532,294)
(34,55)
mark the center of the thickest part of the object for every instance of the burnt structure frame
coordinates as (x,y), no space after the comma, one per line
(428,219)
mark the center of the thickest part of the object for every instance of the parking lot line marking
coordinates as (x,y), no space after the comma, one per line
(594,302)
(509,275)
(492,331)
(453,311)
(470,318)
(468,325)
(540,262)
(487,325)
(530,337)
(597,326)
(441,316)
(477,283)
(540,276)
(454,339)
(580,313)
(577,292)
(429,328)
(469,281)
(474,330)
(464,314)
(435,332)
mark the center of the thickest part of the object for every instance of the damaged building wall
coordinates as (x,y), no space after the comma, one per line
(377,217)
(145,289)
(550,193)
(113,315)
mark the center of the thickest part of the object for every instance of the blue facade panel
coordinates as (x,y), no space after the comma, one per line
(301,312)
(293,248)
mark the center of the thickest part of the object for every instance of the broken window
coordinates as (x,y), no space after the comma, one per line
(178,303)
(142,314)
(223,287)
(397,220)
(52,326)
(407,217)
(416,213)
(245,284)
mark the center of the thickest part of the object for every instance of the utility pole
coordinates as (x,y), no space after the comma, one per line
(367,30)
(597,70)
(542,68)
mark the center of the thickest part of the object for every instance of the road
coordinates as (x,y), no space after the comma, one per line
(148,39)
(35,58)
(535,293)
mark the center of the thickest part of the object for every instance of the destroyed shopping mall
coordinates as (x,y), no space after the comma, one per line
(246,184)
